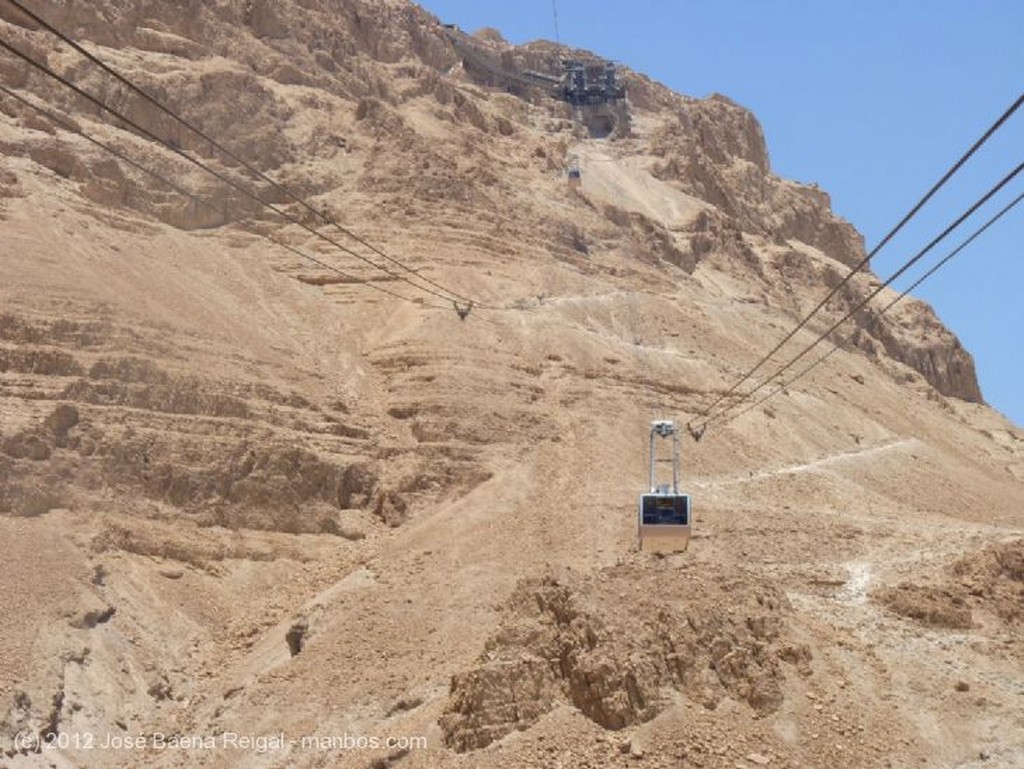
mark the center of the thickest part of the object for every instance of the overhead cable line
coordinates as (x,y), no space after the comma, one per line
(864,262)
(863,303)
(446,293)
(878,316)
(68,125)
(213,172)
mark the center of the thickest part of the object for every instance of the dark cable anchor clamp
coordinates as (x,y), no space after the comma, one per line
(696,432)
(462,311)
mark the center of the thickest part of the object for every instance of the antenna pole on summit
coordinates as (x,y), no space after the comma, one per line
(554,8)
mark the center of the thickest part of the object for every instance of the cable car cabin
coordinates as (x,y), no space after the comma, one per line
(573,171)
(663,518)
(664,524)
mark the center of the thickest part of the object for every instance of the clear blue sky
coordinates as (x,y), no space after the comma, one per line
(871,99)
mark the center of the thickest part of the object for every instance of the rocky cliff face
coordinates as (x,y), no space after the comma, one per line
(229,472)
(554,646)
(342,99)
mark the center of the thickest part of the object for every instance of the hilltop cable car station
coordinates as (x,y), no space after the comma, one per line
(592,87)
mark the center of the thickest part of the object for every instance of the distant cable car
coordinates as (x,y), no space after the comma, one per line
(663,520)
(575,179)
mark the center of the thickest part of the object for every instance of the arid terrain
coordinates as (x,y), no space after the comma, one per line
(243,494)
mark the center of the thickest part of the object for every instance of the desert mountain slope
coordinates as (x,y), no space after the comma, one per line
(240,493)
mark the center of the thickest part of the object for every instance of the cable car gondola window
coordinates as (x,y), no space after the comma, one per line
(670,510)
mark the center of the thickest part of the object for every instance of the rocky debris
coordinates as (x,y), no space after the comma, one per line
(273,487)
(296,636)
(712,233)
(654,240)
(94,617)
(130,370)
(994,578)
(38,361)
(935,606)
(611,646)
(202,547)
(161,689)
(26,446)
(20,718)
(38,443)
(404,704)
(9,186)
(988,580)
(64,417)
(32,333)
(390,508)
(32,479)
(29,498)
(185,396)
(633,749)
(390,760)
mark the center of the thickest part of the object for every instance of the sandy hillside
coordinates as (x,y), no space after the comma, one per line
(242,494)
